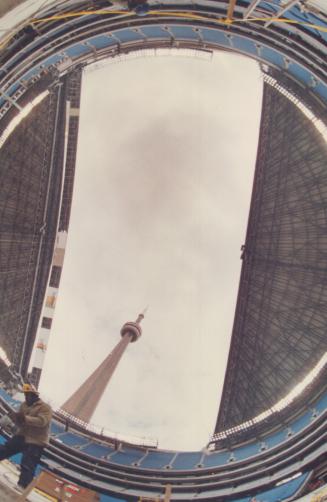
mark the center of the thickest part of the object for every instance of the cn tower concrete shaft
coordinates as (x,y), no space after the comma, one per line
(83,403)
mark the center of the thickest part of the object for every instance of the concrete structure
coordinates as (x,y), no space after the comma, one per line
(82,404)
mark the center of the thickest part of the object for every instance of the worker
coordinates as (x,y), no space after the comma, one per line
(33,423)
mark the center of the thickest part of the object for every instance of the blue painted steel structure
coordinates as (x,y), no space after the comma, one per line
(73,33)
(61,43)
(255,467)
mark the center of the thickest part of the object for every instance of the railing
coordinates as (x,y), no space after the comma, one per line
(104,433)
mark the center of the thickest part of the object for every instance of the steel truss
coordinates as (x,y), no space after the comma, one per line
(281,314)
(31,177)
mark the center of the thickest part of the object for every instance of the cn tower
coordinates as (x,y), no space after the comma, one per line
(83,403)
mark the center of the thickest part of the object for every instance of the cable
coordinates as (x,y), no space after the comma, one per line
(182,15)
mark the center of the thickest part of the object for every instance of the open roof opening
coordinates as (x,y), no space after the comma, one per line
(164,174)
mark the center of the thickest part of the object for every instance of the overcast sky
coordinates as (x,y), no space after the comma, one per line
(164,173)
(163,180)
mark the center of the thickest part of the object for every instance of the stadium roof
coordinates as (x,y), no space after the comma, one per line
(280,319)
(34,203)
(29,205)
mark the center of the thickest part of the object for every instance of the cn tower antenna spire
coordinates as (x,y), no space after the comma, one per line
(142,315)
(83,403)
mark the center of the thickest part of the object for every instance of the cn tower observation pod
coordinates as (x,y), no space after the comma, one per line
(259,447)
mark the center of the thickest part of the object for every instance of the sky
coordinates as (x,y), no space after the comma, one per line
(164,171)
(165,162)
